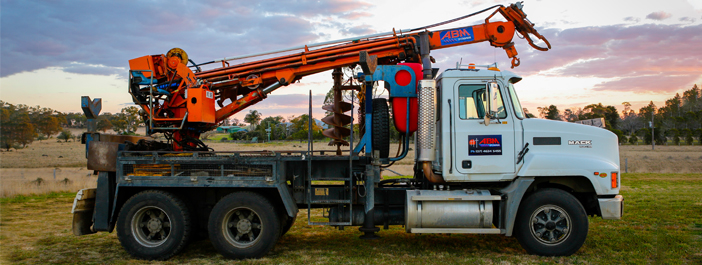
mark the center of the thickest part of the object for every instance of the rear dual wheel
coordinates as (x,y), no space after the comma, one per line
(153,225)
(244,225)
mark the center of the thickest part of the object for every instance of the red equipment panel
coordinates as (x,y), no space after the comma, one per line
(399,104)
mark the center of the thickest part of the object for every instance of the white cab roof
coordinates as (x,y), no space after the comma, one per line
(479,73)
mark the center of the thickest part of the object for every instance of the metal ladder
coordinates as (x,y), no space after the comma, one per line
(346,201)
(348,192)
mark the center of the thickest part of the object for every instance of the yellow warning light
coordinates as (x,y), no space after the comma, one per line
(471,66)
(493,69)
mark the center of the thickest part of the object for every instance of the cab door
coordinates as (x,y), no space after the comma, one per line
(481,149)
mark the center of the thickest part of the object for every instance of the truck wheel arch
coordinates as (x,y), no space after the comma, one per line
(579,186)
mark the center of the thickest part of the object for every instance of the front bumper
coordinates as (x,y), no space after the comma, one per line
(612,208)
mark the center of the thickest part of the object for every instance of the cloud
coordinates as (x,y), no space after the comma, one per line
(660,15)
(688,19)
(638,58)
(632,19)
(358,30)
(666,82)
(42,34)
(80,68)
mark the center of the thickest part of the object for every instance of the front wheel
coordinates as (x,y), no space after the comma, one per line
(551,222)
(244,225)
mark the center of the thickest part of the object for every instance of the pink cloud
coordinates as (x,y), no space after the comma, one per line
(650,83)
(637,58)
(660,15)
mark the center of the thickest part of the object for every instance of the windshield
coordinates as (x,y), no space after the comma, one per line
(515,100)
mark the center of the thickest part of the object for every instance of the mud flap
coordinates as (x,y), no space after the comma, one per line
(83,207)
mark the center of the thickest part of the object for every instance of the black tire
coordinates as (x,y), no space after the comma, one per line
(551,222)
(231,225)
(287,223)
(381,127)
(153,225)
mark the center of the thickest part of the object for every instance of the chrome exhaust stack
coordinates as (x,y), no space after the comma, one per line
(426,133)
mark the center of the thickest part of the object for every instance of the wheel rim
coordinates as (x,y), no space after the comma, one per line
(550,224)
(242,227)
(151,226)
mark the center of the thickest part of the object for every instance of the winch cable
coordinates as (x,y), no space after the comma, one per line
(455,19)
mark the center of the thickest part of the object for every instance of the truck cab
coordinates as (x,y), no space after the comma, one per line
(508,144)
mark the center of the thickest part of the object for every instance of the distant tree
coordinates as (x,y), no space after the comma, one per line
(127,121)
(620,135)
(688,136)
(75,119)
(225,122)
(542,112)
(235,122)
(659,135)
(274,123)
(46,121)
(569,116)
(645,134)
(15,126)
(240,135)
(103,124)
(675,134)
(527,113)
(252,118)
(629,121)
(300,125)
(551,112)
(633,139)
(65,135)
(609,113)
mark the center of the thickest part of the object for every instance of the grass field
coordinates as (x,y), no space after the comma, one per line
(662,224)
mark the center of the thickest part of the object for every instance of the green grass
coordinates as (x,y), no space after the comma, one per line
(218,137)
(662,224)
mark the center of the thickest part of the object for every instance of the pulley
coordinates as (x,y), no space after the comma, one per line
(175,56)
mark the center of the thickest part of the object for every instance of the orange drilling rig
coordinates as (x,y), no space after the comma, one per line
(179,100)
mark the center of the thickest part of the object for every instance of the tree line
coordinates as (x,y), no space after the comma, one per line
(678,120)
(280,128)
(21,124)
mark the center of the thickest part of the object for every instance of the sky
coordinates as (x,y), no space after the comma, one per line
(603,51)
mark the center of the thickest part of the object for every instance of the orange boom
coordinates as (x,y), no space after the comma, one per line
(176,98)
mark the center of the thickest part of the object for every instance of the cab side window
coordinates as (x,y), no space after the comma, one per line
(471,102)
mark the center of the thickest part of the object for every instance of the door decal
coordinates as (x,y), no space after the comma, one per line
(483,145)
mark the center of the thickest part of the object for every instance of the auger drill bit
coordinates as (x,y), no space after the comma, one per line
(338,120)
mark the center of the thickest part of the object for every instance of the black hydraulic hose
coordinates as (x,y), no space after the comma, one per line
(195,65)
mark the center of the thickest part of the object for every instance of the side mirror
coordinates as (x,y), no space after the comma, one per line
(491,94)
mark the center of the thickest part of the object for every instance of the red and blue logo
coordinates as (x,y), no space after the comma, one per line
(481,145)
(455,36)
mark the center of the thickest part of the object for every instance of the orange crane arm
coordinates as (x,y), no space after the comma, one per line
(398,47)
(173,96)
